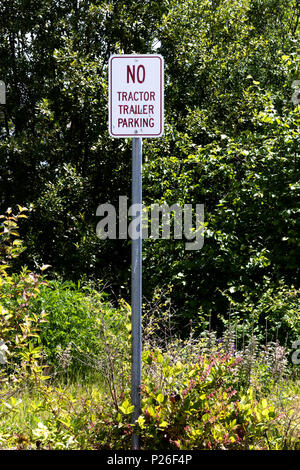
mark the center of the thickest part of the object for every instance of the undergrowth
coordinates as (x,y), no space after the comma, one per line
(65,373)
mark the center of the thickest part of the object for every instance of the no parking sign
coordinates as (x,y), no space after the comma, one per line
(136,109)
(136,105)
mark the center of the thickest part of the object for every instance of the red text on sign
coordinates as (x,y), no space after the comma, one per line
(140,73)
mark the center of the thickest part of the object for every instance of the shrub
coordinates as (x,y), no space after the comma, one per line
(19,325)
(271,313)
(84,333)
(198,393)
(197,406)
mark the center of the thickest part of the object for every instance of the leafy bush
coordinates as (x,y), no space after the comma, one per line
(83,329)
(19,325)
(198,393)
(197,406)
(72,318)
(271,313)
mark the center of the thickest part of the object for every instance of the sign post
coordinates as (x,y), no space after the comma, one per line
(136,110)
(136,287)
(2,92)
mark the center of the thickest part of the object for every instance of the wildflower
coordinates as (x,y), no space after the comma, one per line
(177,444)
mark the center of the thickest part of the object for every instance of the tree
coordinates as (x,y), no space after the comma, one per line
(231,139)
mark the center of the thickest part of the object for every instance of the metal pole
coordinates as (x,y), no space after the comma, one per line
(136,289)
(2,92)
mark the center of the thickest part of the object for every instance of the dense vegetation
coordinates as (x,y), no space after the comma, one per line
(232,143)
(65,374)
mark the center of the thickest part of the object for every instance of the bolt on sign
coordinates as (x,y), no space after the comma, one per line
(136,101)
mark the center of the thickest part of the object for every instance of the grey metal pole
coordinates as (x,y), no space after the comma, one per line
(2,92)
(136,289)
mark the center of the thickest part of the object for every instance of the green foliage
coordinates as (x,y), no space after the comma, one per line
(270,315)
(10,246)
(21,350)
(247,184)
(231,139)
(231,142)
(84,331)
(72,317)
(185,405)
(194,394)
(196,406)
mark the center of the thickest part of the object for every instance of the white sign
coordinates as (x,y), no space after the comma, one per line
(136,96)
